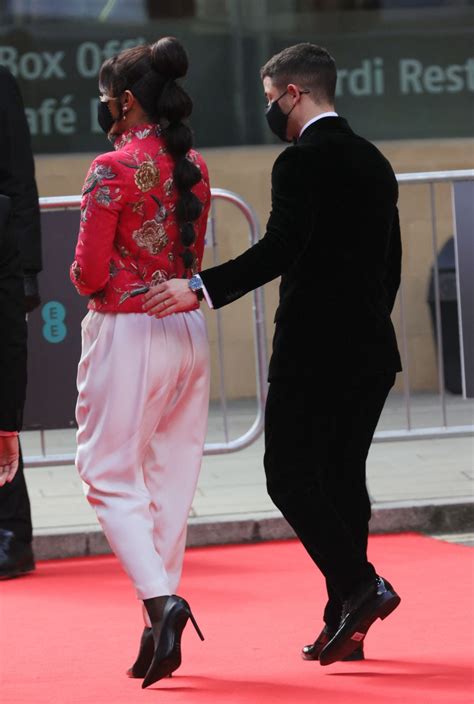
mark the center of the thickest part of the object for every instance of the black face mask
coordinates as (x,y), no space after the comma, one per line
(277,119)
(104,117)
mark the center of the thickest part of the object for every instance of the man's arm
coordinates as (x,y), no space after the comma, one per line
(285,238)
(394,262)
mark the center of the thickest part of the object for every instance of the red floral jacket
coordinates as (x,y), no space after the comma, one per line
(129,235)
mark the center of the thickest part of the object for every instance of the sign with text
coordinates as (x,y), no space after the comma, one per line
(400,84)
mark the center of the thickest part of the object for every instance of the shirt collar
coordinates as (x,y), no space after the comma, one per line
(315,119)
(137,132)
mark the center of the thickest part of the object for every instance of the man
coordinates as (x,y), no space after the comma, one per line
(333,236)
(20,264)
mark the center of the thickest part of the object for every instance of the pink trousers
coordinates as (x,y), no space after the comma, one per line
(142,413)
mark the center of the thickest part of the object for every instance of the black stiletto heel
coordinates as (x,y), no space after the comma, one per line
(196,627)
(167,655)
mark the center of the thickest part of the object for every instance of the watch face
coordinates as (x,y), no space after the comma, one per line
(194,283)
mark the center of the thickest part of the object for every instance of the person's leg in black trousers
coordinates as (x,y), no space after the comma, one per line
(16,532)
(298,430)
(345,480)
(317,440)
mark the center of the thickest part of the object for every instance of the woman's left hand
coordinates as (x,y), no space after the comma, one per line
(172,296)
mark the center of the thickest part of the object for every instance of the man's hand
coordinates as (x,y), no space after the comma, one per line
(9,452)
(172,296)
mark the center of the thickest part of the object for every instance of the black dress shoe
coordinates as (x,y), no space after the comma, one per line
(167,655)
(312,651)
(16,558)
(366,605)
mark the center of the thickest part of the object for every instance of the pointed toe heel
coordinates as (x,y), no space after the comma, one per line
(167,656)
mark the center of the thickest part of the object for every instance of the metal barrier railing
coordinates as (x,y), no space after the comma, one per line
(260,339)
(218,194)
(445,430)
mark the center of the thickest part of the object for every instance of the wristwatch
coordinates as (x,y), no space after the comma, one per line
(196,286)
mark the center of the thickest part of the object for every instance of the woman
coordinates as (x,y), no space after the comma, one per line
(143,382)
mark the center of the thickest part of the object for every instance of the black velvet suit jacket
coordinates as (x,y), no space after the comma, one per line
(334,238)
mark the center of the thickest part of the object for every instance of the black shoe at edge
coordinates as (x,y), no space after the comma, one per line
(365,606)
(16,557)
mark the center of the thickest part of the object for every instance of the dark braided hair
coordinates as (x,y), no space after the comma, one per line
(150,73)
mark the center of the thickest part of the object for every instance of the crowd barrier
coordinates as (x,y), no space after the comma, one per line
(43,409)
(462,199)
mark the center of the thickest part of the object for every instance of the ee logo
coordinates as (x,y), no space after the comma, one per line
(54,329)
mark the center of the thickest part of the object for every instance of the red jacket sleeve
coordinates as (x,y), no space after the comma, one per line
(103,198)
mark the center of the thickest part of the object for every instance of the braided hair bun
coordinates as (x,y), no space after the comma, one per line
(169,59)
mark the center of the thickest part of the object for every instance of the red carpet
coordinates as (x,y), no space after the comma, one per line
(68,633)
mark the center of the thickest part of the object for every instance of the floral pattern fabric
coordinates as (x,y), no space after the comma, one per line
(129,235)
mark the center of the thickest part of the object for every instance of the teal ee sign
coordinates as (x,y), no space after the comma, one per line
(54,329)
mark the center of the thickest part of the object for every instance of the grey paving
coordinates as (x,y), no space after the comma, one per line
(424,485)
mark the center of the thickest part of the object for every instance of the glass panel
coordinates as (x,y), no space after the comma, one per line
(406,68)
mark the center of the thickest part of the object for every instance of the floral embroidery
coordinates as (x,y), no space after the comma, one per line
(168,186)
(161,213)
(137,183)
(124,297)
(141,132)
(151,236)
(76,271)
(138,206)
(147,176)
(144,133)
(158,277)
(96,177)
(103,196)
(84,210)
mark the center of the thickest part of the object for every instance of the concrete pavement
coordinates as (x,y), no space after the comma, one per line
(424,485)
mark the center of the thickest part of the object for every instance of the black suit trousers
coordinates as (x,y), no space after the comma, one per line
(15,512)
(317,438)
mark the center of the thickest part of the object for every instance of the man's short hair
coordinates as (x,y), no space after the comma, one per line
(307,65)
